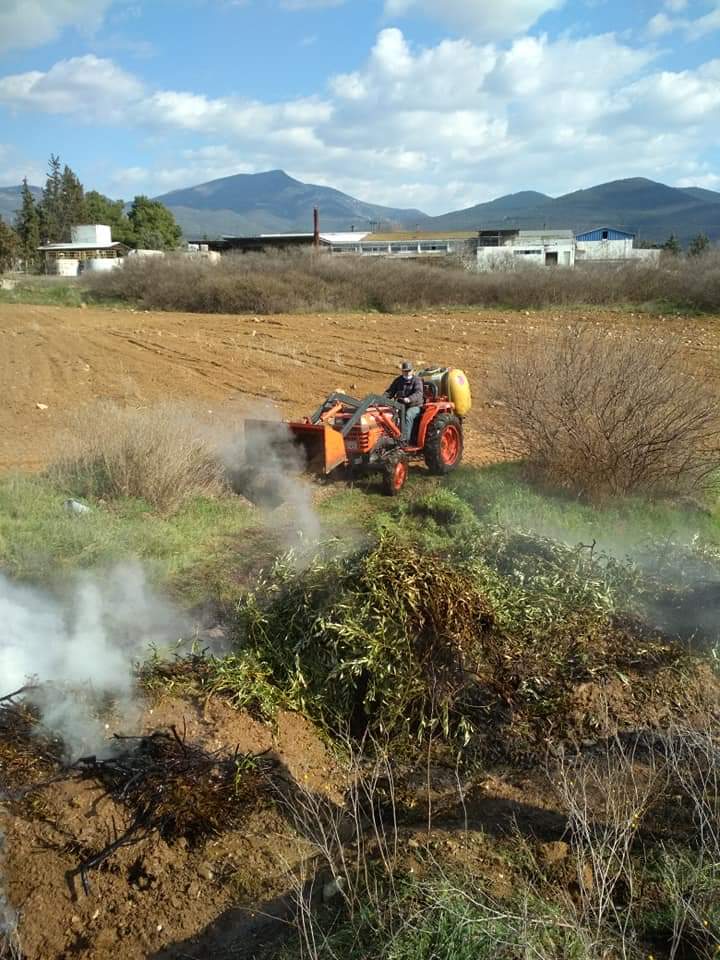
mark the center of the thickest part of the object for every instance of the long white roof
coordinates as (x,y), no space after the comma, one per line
(81,246)
(347,236)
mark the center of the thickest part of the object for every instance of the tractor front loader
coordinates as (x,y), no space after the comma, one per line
(360,436)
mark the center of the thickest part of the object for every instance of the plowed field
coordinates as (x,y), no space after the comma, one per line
(65,358)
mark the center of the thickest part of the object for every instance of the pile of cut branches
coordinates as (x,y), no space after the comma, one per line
(27,755)
(174,788)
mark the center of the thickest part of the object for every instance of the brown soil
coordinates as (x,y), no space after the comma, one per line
(66,358)
(152,895)
(230,896)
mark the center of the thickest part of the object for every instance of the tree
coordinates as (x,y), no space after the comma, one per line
(27,228)
(154,225)
(699,245)
(72,202)
(101,209)
(672,245)
(9,246)
(49,206)
(63,202)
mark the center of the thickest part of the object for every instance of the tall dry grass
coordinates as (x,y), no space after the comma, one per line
(303,281)
(161,455)
(602,413)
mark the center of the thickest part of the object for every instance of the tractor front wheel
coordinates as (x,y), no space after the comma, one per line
(443,448)
(395,471)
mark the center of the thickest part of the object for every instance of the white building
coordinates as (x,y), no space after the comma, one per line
(400,245)
(609,245)
(502,249)
(91,247)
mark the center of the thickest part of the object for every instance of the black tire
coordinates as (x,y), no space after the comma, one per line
(394,473)
(443,448)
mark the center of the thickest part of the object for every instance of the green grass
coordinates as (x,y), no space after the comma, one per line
(618,527)
(437,919)
(55,292)
(195,551)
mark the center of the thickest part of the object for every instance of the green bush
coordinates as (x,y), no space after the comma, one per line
(381,637)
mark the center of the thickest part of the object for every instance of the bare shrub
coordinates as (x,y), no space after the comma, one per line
(158,454)
(606,795)
(601,413)
(691,876)
(303,281)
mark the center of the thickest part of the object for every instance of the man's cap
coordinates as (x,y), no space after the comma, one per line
(406,365)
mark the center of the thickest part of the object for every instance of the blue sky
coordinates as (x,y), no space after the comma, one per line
(435,104)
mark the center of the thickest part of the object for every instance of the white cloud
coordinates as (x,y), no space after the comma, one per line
(694,29)
(31,23)
(485,19)
(436,127)
(88,86)
(661,24)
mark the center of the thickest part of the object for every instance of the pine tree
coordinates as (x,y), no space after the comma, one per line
(27,228)
(71,206)
(9,247)
(672,245)
(50,207)
(699,245)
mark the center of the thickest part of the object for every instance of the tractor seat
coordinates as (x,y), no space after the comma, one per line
(430,392)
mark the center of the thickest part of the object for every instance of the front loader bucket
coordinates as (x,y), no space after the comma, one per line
(313,447)
(323,446)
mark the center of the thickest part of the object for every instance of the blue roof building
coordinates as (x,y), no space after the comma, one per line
(604,233)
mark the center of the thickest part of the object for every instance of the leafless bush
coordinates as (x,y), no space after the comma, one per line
(606,795)
(691,877)
(604,413)
(304,281)
(357,842)
(158,454)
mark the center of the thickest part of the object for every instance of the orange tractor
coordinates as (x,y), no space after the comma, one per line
(363,436)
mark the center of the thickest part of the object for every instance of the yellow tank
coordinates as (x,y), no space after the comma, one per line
(458,390)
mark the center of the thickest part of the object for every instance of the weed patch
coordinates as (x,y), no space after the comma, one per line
(156,455)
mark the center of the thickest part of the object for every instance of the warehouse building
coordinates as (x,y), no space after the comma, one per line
(500,249)
(610,245)
(400,245)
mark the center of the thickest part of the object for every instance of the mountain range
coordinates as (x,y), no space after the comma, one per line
(273,202)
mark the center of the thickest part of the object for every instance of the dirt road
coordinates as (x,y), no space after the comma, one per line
(65,358)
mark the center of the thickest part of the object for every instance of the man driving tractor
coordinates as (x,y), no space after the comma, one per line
(408,390)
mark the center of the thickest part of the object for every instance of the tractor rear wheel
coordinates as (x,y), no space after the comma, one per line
(443,448)
(395,471)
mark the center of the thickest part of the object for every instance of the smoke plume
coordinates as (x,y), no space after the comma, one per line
(8,917)
(267,467)
(79,650)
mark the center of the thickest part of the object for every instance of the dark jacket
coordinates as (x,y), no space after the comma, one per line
(401,388)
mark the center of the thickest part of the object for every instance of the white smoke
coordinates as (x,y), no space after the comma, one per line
(80,649)
(8,918)
(267,467)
